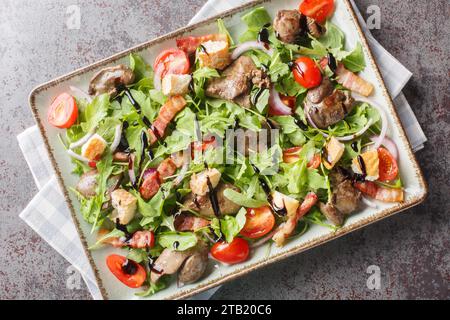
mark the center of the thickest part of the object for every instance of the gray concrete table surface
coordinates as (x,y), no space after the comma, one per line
(411,248)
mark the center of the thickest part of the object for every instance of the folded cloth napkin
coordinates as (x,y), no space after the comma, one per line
(50,217)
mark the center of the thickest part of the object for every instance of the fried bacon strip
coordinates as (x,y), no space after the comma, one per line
(166,114)
(286,229)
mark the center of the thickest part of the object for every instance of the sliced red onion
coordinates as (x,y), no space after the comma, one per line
(249,45)
(277,107)
(389,144)
(77,156)
(368,202)
(80,93)
(182,174)
(117,137)
(83,140)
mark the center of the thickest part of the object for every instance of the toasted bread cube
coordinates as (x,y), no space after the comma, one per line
(94,147)
(215,54)
(281,201)
(176,84)
(199,182)
(371,163)
(125,205)
(334,151)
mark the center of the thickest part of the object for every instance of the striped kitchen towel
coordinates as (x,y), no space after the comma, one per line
(49,215)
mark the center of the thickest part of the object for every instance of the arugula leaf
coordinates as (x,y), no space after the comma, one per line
(185,240)
(231,226)
(355,61)
(112,234)
(333,38)
(223,30)
(95,112)
(140,68)
(263,99)
(243,200)
(254,20)
(153,288)
(257,18)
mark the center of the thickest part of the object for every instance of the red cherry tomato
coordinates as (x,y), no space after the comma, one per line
(171,61)
(63,112)
(260,221)
(116,265)
(291,155)
(388,167)
(234,252)
(380,193)
(307,73)
(319,10)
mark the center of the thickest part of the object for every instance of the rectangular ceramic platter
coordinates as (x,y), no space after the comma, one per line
(345,18)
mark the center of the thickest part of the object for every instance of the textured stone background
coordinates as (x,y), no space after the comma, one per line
(411,248)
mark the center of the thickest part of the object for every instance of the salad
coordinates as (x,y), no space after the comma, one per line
(224,144)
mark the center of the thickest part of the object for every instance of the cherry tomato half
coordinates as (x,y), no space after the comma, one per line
(63,112)
(307,73)
(234,252)
(319,10)
(132,275)
(171,61)
(260,221)
(380,193)
(388,167)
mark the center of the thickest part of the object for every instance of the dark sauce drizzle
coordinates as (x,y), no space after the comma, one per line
(129,267)
(363,166)
(354,146)
(176,244)
(332,62)
(124,229)
(299,123)
(213,198)
(256,96)
(279,211)
(263,36)
(202,48)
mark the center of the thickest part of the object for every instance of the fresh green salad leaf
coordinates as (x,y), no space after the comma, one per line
(243,200)
(231,226)
(179,241)
(355,61)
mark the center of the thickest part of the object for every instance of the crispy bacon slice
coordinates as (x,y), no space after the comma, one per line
(167,112)
(286,229)
(166,168)
(150,185)
(185,222)
(353,82)
(190,44)
(139,240)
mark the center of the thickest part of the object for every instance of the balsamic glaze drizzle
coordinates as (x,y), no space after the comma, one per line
(279,211)
(332,62)
(213,198)
(124,229)
(263,36)
(363,167)
(255,97)
(129,267)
